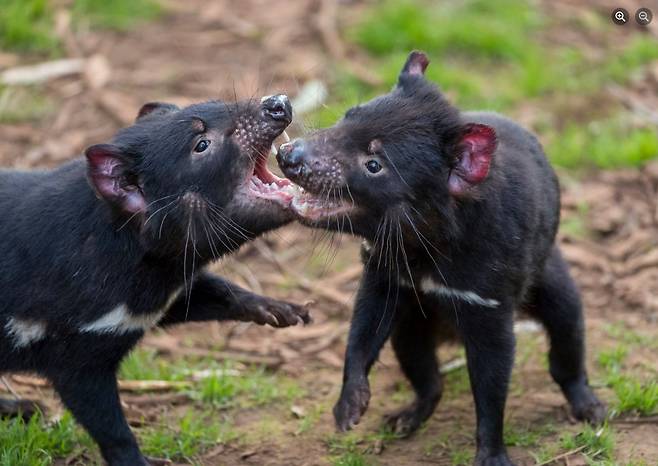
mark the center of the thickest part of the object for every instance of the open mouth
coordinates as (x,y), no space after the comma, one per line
(264,184)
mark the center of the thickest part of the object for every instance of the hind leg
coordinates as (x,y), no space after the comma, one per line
(93,398)
(414,340)
(557,305)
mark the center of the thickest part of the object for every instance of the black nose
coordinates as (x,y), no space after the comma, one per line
(291,157)
(277,107)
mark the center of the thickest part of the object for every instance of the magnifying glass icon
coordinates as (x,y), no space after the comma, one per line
(643,16)
(619,16)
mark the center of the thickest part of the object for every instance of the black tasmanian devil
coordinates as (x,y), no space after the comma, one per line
(459,212)
(100,249)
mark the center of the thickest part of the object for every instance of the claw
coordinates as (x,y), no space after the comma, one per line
(272,320)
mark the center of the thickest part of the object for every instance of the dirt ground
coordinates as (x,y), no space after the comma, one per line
(199,52)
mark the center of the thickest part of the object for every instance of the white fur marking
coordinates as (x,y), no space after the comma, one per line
(25,332)
(428,285)
(120,320)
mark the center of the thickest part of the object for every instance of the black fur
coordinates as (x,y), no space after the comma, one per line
(462,202)
(129,226)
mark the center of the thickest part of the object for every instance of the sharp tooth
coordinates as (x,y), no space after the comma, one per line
(285,136)
(273,149)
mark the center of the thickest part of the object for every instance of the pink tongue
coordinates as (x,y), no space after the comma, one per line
(262,172)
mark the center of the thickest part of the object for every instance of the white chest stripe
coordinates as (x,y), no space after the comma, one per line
(25,332)
(428,285)
(120,320)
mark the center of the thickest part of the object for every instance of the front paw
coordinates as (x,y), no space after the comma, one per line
(263,310)
(352,404)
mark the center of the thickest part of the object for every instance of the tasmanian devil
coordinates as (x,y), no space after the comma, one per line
(102,248)
(459,212)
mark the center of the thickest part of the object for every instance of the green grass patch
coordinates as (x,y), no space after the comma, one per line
(116,14)
(474,28)
(256,387)
(596,443)
(633,395)
(311,418)
(353,446)
(188,437)
(526,435)
(350,459)
(224,385)
(146,364)
(602,144)
(461,457)
(28,25)
(37,443)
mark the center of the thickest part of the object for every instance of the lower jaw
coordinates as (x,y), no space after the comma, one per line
(312,214)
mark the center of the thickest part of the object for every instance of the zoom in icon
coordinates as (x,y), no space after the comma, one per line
(619,16)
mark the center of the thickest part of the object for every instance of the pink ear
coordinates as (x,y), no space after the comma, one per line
(477,148)
(416,63)
(108,174)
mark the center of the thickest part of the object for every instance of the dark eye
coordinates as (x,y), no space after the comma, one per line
(373,166)
(201,146)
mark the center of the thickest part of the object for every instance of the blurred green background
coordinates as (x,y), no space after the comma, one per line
(505,55)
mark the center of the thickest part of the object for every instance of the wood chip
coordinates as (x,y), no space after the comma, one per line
(39,73)
(152,385)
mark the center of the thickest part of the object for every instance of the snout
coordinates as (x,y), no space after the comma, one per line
(277,107)
(290,157)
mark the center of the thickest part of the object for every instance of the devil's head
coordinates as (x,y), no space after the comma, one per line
(405,155)
(196,175)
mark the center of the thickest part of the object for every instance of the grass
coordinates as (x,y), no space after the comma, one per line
(596,443)
(193,433)
(36,443)
(526,435)
(492,57)
(28,25)
(254,388)
(145,364)
(350,448)
(310,419)
(634,396)
(350,459)
(461,457)
(117,14)
(225,385)
(177,438)
(605,144)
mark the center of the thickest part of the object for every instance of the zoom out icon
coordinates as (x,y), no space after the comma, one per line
(643,16)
